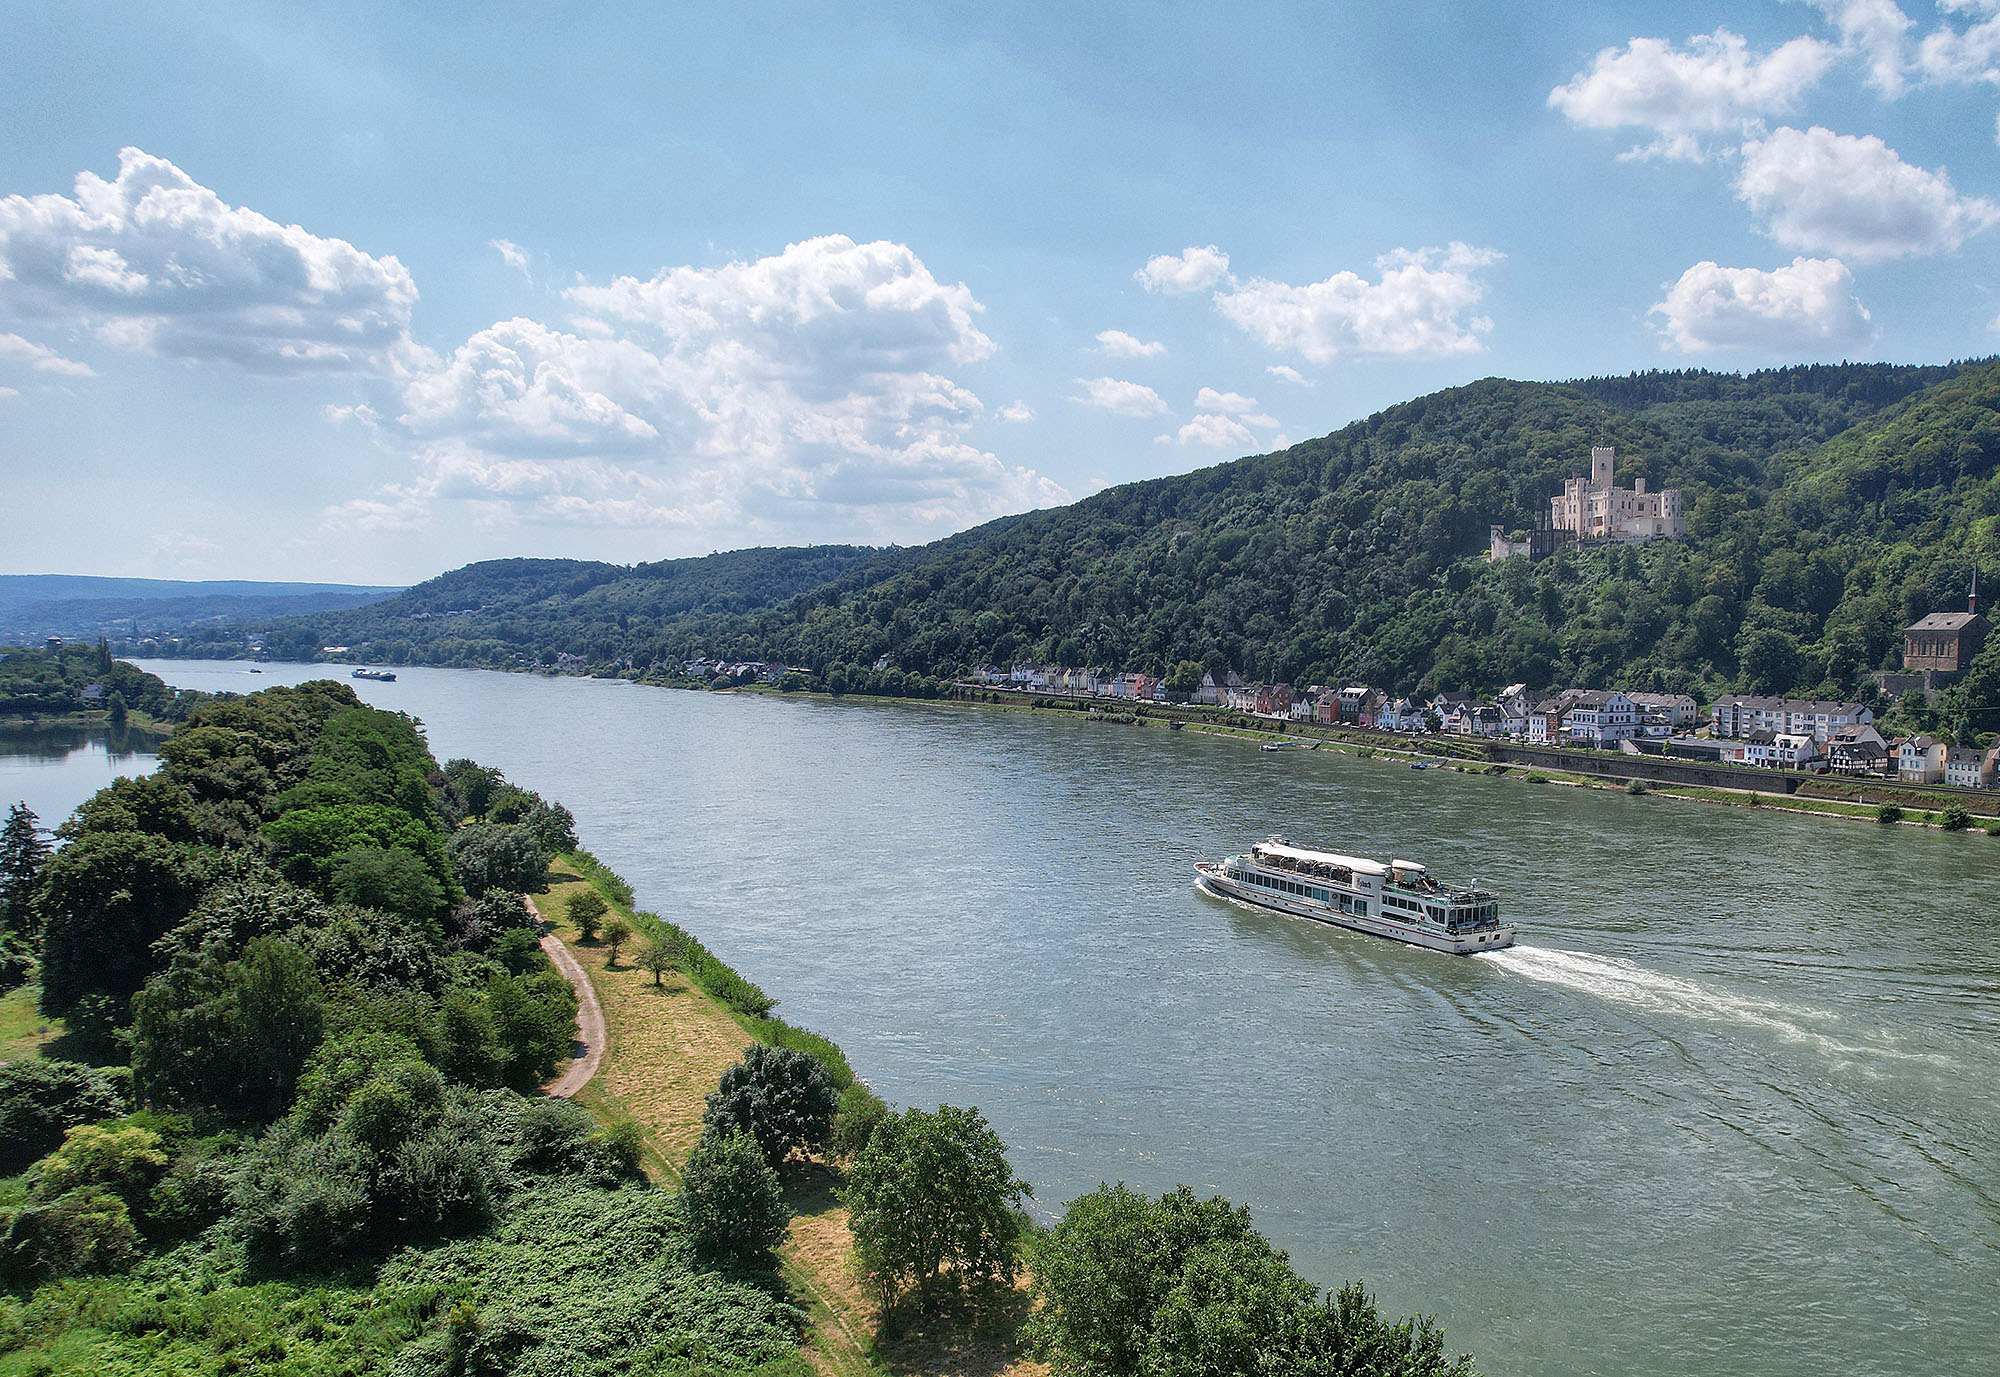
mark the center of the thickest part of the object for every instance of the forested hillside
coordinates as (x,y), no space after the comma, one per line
(36,606)
(1828,506)
(489,612)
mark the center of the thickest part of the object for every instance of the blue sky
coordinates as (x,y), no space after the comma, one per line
(365,293)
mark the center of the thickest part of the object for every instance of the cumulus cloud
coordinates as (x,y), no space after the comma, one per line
(1962,56)
(1809,305)
(512,254)
(1120,345)
(1418,307)
(1284,372)
(1016,411)
(1877,33)
(153,262)
(1210,430)
(1714,86)
(1124,398)
(1191,270)
(1233,404)
(798,395)
(41,358)
(1853,196)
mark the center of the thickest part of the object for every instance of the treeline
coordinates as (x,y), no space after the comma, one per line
(1829,506)
(41,682)
(286,1125)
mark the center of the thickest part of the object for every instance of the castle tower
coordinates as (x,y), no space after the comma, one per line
(1600,465)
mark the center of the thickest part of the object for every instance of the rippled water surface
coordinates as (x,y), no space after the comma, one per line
(1731,1106)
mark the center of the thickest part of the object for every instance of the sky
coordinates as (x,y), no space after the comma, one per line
(364,292)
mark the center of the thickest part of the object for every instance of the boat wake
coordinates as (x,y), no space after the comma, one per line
(1634,986)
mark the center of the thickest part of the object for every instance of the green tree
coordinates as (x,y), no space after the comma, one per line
(41,1100)
(931,1195)
(732,1199)
(1184,677)
(781,1097)
(1346,1336)
(106,899)
(534,1023)
(489,856)
(659,958)
(123,1158)
(231,1035)
(392,879)
(23,853)
(586,910)
(617,932)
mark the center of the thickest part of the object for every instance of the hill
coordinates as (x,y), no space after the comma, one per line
(1828,506)
(34,607)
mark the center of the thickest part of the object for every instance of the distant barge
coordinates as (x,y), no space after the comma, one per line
(1397,900)
(384,676)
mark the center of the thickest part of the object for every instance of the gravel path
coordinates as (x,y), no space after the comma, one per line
(589,1048)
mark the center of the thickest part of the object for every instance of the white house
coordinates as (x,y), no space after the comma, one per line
(1795,751)
(1964,767)
(1920,760)
(1736,714)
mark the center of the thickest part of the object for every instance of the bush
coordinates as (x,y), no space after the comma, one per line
(931,1194)
(1533,778)
(860,1110)
(487,855)
(40,1101)
(1954,819)
(782,1098)
(1888,812)
(1635,787)
(732,1200)
(78,1232)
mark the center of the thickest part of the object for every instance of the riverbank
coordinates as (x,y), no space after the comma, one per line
(666,1044)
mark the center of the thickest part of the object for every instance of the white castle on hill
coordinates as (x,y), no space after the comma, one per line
(1592,509)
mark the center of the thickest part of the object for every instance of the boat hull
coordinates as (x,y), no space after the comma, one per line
(1210,880)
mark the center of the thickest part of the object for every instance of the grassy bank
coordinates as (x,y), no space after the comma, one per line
(669,1042)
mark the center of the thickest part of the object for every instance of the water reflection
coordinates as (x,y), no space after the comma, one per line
(45,744)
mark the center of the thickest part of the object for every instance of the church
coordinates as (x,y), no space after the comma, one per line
(1942,645)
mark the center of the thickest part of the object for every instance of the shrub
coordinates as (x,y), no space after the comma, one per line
(732,1200)
(41,1100)
(123,1159)
(617,932)
(1635,787)
(1533,778)
(1954,819)
(854,1121)
(78,1232)
(1888,812)
(781,1097)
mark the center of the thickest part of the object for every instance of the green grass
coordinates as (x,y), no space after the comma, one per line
(21,1022)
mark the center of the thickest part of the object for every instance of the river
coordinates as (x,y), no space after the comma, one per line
(1729,1107)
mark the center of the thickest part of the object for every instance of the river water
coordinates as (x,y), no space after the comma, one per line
(1731,1106)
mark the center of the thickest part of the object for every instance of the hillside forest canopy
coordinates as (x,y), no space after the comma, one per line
(1828,507)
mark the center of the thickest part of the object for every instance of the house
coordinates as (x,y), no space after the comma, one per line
(1593,509)
(1758,749)
(1859,750)
(1737,714)
(1678,709)
(1795,751)
(1451,709)
(1989,768)
(1963,766)
(1920,760)
(1238,696)
(1514,705)
(1588,717)
(1350,700)
(1942,645)
(1401,715)
(1327,708)
(1483,720)
(1272,700)
(992,675)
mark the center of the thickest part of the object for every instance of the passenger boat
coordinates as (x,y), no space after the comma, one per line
(1394,899)
(385,676)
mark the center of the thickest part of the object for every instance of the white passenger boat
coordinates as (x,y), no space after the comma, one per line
(1395,899)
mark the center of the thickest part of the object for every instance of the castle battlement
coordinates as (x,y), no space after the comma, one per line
(1593,509)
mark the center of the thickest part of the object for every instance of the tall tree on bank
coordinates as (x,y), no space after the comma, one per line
(23,853)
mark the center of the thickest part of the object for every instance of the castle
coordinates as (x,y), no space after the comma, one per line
(1592,509)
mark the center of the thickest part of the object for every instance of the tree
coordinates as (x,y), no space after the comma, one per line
(106,899)
(659,958)
(617,932)
(1184,677)
(932,1193)
(491,856)
(586,909)
(781,1097)
(1346,1336)
(231,1035)
(23,852)
(392,879)
(732,1199)
(534,1021)
(41,1100)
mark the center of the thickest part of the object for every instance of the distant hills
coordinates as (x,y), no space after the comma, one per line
(34,607)
(1828,506)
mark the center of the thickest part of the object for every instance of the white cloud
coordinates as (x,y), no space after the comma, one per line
(802,395)
(1714,86)
(1234,404)
(1115,394)
(512,254)
(41,358)
(1284,372)
(1809,305)
(1418,307)
(185,550)
(153,262)
(1120,345)
(10,391)
(1191,270)
(1962,56)
(1212,431)
(1877,32)
(1016,411)
(1853,196)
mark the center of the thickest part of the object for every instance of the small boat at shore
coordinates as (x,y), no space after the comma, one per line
(1399,900)
(381,676)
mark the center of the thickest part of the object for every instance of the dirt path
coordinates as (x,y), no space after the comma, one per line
(590,1034)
